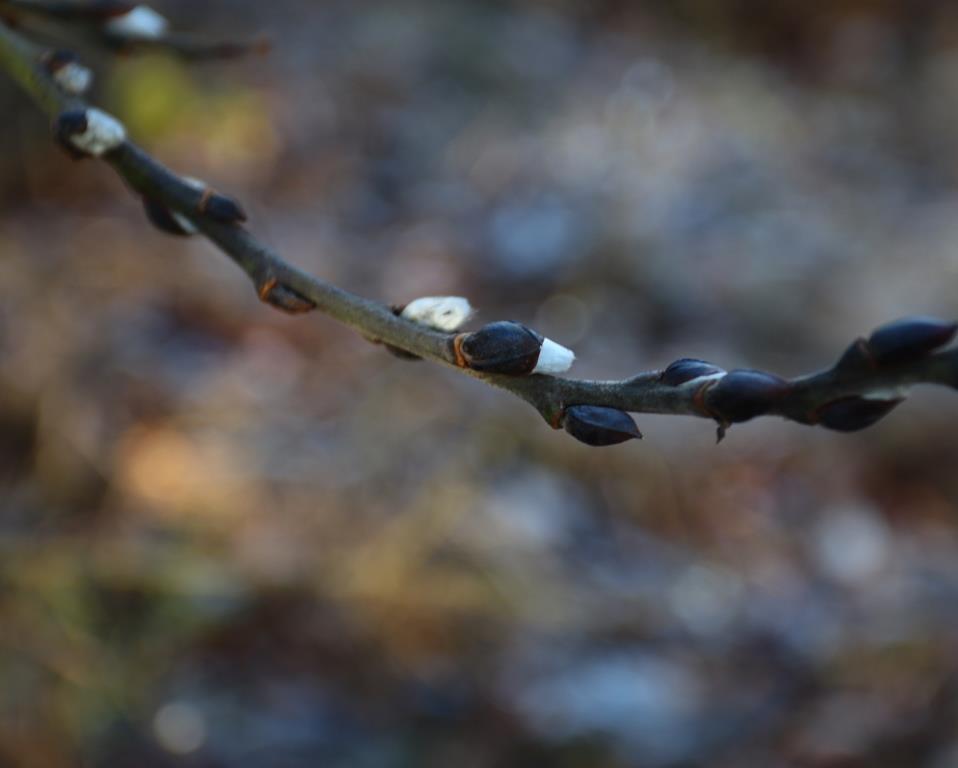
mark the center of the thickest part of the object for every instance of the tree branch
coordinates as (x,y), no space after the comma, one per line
(870,379)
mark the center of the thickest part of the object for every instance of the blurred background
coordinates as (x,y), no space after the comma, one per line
(233,539)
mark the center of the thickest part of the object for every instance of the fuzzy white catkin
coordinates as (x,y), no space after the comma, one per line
(140,22)
(74,78)
(553,358)
(444,313)
(103,133)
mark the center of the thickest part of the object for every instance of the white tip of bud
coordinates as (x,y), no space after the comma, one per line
(888,393)
(184,223)
(444,313)
(103,133)
(74,78)
(554,358)
(140,22)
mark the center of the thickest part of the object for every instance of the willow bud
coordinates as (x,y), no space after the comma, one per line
(909,339)
(167,220)
(443,313)
(743,394)
(512,349)
(66,70)
(688,369)
(88,132)
(598,426)
(850,414)
(138,23)
(221,208)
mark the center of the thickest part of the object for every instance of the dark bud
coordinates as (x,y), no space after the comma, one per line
(598,426)
(56,60)
(163,219)
(502,347)
(909,339)
(855,357)
(849,414)
(222,208)
(687,369)
(68,124)
(743,394)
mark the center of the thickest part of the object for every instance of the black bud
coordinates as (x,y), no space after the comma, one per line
(849,414)
(687,369)
(163,219)
(67,125)
(223,208)
(56,60)
(597,425)
(909,339)
(501,347)
(743,394)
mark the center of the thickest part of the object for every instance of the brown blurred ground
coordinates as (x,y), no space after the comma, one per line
(235,539)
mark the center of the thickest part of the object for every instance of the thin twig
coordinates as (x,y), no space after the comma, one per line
(869,380)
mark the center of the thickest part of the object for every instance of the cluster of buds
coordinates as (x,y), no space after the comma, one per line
(895,344)
(740,395)
(88,132)
(67,72)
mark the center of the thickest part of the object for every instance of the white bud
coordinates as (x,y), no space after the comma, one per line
(554,358)
(103,133)
(140,22)
(74,78)
(444,313)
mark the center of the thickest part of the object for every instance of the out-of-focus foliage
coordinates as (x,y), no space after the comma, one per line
(232,539)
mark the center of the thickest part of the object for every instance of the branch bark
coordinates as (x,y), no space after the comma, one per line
(871,378)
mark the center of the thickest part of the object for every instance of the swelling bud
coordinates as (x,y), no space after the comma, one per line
(511,349)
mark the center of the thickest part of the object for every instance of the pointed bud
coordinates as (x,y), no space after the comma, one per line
(512,349)
(443,313)
(909,339)
(89,132)
(598,426)
(741,395)
(688,369)
(221,208)
(167,220)
(849,414)
(139,23)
